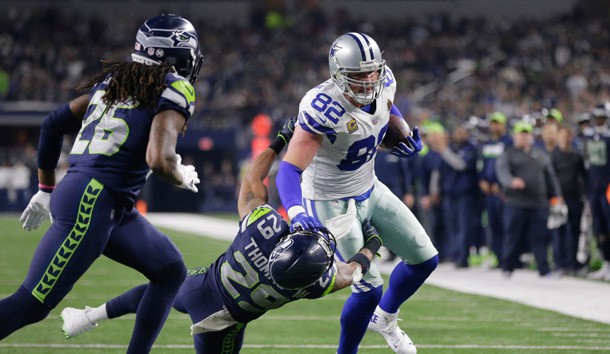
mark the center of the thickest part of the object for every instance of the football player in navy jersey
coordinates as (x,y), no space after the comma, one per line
(265,267)
(597,148)
(127,125)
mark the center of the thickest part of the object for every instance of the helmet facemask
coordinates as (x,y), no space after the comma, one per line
(361,91)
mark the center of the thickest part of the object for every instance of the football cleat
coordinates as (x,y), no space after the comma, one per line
(76,322)
(387,325)
(602,274)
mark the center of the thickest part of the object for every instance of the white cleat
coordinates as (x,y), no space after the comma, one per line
(602,274)
(76,322)
(387,326)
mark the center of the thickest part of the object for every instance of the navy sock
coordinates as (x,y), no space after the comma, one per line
(154,306)
(126,303)
(19,310)
(404,282)
(355,318)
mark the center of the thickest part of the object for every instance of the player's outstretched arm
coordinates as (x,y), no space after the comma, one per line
(352,271)
(253,191)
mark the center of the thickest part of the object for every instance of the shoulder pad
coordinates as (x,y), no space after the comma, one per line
(179,91)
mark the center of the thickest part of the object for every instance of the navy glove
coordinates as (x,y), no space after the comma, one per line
(403,150)
(369,230)
(284,135)
(303,221)
(287,130)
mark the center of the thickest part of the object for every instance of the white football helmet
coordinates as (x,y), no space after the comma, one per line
(357,53)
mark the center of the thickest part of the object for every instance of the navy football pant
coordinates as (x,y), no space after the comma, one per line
(530,224)
(88,221)
(600,213)
(198,299)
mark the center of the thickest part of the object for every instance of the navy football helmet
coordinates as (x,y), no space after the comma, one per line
(170,39)
(300,258)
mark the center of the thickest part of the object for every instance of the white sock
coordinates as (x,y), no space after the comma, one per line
(382,312)
(97,314)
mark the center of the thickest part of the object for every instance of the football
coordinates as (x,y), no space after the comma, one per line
(398,131)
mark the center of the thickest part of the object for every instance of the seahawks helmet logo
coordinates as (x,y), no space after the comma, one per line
(180,39)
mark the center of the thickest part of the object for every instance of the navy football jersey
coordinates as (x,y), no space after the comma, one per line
(241,275)
(597,147)
(111,144)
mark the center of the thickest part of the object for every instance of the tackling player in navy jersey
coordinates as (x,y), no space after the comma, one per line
(264,268)
(127,125)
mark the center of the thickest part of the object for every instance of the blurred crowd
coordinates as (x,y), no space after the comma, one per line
(446,68)
(452,75)
(511,193)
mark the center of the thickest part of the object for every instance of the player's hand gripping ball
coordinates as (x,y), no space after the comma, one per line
(400,139)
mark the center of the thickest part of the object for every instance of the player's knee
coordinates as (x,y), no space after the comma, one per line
(171,275)
(426,268)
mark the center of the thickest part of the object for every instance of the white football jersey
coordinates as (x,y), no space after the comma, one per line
(344,166)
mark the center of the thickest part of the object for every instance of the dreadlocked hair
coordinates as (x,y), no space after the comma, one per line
(131,81)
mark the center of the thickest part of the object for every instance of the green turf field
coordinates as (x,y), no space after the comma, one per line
(438,320)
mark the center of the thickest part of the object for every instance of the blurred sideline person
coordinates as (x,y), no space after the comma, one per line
(597,147)
(427,173)
(569,166)
(127,126)
(265,267)
(528,180)
(458,185)
(342,121)
(491,149)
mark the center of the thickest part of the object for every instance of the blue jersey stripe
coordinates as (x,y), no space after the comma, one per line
(318,128)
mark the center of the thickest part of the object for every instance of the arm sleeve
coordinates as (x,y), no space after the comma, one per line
(394,110)
(288,182)
(54,126)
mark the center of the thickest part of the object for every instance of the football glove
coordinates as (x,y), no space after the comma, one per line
(287,130)
(403,150)
(303,221)
(38,209)
(284,135)
(189,175)
(372,241)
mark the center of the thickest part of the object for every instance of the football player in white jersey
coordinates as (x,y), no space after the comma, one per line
(341,123)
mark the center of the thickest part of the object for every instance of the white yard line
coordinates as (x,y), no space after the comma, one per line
(536,348)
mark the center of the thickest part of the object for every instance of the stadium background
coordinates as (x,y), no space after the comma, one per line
(454,60)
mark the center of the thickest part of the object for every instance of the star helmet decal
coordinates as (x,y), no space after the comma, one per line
(334,49)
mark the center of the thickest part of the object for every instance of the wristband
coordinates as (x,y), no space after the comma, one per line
(361,259)
(45,188)
(373,243)
(278,144)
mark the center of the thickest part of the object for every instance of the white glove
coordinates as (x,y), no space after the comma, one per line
(37,210)
(189,176)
